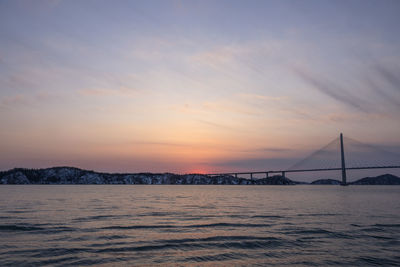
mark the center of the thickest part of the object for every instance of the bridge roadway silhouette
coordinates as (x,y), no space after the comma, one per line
(343,168)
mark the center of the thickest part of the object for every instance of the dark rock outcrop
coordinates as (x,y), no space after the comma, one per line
(326,182)
(385,179)
(16,177)
(275,180)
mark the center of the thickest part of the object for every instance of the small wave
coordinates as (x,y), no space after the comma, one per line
(99,217)
(372,229)
(111,237)
(268,216)
(93,237)
(386,225)
(216,257)
(253,244)
(189,246)
(13,227)
(158,226)
(143,248)
(380,237)
(393,243)
(194,218)
(34,228)
(317,232)
(47,252)
(290,231)
(218,238)
(317,214)
(160,214)
(94,262)
(313,231)
(201,206)
(120,227)
(18,211)
(61,260)
(108,244)
(247,225)
(236,216)
(377,261)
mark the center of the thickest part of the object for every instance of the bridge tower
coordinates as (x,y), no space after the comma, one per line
(344,182)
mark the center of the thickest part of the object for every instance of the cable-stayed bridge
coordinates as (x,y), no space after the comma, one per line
(341,154)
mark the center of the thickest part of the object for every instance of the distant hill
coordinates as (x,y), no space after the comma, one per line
(385,179)
(275,180)
(70,175)
(326,182)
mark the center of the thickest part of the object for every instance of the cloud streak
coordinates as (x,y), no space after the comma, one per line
(384,94)
(255,164)
(389,76)
(332,90)
(23,100)
(121,91)
(16,100)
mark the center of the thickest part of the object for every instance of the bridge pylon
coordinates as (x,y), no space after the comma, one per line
(344,182)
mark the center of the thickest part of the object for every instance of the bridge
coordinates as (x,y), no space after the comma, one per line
(322,160)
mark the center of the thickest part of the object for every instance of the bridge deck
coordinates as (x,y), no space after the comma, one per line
(305,170)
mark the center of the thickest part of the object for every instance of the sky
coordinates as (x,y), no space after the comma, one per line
(194,86)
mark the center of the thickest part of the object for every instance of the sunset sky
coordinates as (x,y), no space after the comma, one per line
(194,86)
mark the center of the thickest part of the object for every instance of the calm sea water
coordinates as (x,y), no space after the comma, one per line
(187,225)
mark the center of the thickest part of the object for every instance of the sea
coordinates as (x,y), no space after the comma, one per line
(196,225)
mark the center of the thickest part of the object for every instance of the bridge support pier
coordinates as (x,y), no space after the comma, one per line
(344,182)
(266,175)
(235,175)
(251,176)
(283,175)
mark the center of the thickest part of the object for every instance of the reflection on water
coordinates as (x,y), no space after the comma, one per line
(199,225)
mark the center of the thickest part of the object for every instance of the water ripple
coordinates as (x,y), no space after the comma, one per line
(203,226)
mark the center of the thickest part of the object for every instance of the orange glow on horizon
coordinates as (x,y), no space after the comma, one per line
(198,170)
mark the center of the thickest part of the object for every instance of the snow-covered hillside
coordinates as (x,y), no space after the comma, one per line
(69,175)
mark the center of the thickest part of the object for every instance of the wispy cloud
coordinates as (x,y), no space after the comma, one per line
(215,124)
(160,143)
(377,89)
(259,97)
(26,99)
(254,164)
(272,149)
(390,76)
(15,100)
(230,107)
(387,94)
(121,91)
(332,90)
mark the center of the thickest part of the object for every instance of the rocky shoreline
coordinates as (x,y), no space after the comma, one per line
(70,175)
